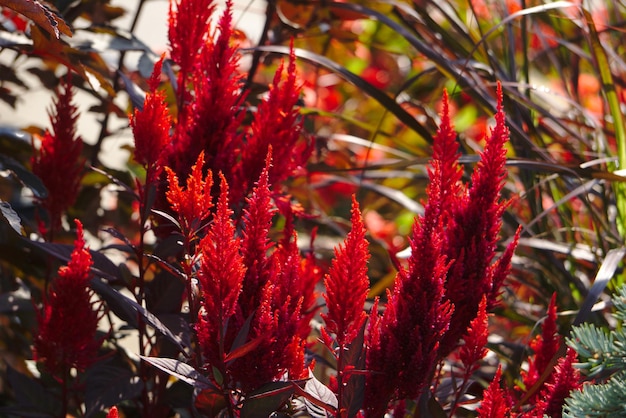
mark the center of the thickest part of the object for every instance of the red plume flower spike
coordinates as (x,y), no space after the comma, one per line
(472,235)
(564,379)
(151,127)
(277,123)
(113,413)
(256,244)
(188,28)
(545,346)
(191,204)
(347,283)
(496,402)
(58,161)
(402,354)
(475,340)
(68,320)
(220,275)
(215,112)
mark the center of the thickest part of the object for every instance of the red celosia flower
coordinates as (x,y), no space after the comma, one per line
(557,388)
(475,339)
(347,283)
(403,352)
(192,204)
(496,402)
(277,123)
(68,320)
(215,110)
(473,224)
(256,244)
(220,275)
(57,162)
(113,412)
(545,346)
(188,28)
(151,127)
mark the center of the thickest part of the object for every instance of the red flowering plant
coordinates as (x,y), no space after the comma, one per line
(209,301)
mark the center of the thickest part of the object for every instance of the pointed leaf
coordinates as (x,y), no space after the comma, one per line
(11,216)
(243,350)
(181,371)
(47,19)
(267,399)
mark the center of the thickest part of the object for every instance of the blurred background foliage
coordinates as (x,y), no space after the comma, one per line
(372,74)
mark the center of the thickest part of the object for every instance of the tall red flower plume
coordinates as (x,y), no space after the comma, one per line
(113,413)
(220,275)
(68,320)
(58,161)
(475,339)
(211,119)
(404,350)
(188,28)
(347,283)
(545,346)
(256,244)
(151,127)
(192,204)
(474,220)
(564,379)
(496,402)
(276,123)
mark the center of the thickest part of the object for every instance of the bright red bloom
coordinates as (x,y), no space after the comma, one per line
(473,223)
(189,22)
(475,339)
(58,161)
(545,346)
(151,127)
(496,402)
(113,412)
(211,120)
(404,350)
(68,320)
(564,379)
(220,275)
(347,283)
(192,204)
(277,123)
(256,243)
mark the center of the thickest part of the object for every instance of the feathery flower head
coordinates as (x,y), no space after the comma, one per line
(545,346)
(472,230)
(151,127)
(221,276)
(192,204)
(277,123)
(475,339)
(189,22)
(347,283)
(496,402)
(564,379)
(256,243)
(68,320)
(58,161)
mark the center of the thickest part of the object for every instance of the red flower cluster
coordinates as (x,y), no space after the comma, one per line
(348,271)
(549,397)
(63,341)
(58,161)
(151,127)
(453,245)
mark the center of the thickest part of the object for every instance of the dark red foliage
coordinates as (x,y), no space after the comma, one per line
(58,161)
(62,341)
